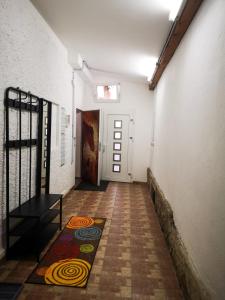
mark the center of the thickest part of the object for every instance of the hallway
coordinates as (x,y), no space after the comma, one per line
(118,91)
(132,261)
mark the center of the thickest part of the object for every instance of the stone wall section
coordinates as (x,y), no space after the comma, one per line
(191,285)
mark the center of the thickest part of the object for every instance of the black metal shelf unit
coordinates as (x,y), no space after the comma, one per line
(29,226)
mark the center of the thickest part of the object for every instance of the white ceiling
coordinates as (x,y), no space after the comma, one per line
(111,35)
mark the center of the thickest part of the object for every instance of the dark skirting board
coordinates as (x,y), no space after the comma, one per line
(85,186)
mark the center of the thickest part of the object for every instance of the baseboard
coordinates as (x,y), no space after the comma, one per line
(67,192)
(139,182)
(191,285)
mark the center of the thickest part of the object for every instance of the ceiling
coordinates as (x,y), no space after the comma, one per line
(117,36)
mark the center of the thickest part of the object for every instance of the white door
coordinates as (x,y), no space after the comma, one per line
(117,155)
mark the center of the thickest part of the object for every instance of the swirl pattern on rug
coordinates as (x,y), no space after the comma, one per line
(69,272)
(87,248)
(88,234)
(79,222)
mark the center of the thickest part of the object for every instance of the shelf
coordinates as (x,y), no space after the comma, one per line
(24,106)
(31,246)
(21,143)
(23,227)
(35,207)
(49,216)
(46,235)
(28,224)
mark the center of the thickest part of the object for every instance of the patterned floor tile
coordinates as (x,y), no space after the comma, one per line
(132,261)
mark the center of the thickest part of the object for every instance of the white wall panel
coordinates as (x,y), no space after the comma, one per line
(188,159)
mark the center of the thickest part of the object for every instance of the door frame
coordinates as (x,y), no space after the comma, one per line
(131,115)
(100,142)
(77,110)
(100,148)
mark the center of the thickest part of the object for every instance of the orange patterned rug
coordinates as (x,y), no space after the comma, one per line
(69,260)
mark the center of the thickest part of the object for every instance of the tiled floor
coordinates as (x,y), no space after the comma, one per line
(132,260)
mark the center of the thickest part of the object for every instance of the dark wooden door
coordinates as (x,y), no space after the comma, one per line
(90,142)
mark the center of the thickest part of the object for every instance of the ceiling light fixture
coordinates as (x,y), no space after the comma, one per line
(175,6)
(147,66)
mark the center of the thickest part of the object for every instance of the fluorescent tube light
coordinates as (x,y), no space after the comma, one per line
(147,66)
(174,9)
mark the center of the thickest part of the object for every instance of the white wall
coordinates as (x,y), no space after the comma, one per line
(33,58)
(188,159)
(135,98)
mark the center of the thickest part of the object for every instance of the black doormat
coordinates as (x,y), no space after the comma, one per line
(10,291)
(85,186)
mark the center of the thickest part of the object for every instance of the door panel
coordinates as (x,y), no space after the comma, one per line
(78,144)
(100,146)
(117,148)
(90,142)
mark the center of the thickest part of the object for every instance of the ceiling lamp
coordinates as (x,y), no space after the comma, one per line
(151,67)
(175,6)
(147,66)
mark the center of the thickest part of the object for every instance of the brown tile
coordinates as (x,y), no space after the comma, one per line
(132,261)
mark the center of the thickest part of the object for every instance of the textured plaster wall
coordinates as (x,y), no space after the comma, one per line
(188,159)
(135,98)
(33,58)
(25,157)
